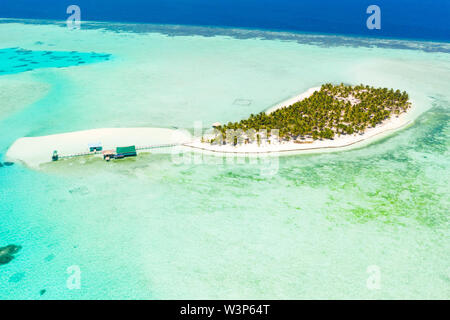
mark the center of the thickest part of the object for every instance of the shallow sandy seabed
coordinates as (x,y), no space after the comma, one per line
(17,94)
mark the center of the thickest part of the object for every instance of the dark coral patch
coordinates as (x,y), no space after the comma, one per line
(7,253)
(5,259)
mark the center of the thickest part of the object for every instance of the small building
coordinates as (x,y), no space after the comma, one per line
(123,152)
(216,125)
(55,156)
(96,146)
(108,154)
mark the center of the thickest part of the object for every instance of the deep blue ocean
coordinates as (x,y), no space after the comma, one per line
(411,19)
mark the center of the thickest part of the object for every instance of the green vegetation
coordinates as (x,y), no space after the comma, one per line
(334,110)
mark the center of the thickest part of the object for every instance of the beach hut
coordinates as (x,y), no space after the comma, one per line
(123,152)
(55,156)
(95,146)
(108,154)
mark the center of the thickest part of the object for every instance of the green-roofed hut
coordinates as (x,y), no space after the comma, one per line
(94,147)
(123,152)
(55,156)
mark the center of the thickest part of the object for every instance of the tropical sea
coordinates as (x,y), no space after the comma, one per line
(153,228)
(411,19)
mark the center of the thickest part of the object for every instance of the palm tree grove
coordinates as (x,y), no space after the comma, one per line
(333,110)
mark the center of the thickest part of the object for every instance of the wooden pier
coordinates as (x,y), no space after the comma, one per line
(158,146)
(82,154)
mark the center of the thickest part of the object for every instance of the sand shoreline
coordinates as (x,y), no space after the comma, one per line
(293,100)
(293,148)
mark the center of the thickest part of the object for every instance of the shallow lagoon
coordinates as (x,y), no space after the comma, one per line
(149,228)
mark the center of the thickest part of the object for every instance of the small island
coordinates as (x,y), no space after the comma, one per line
(328,116)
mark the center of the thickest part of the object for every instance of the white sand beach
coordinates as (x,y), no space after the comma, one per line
(34,151)
(344,141)
(293,100)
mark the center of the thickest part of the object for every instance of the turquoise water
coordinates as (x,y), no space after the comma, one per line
(151,228)
(16,60)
